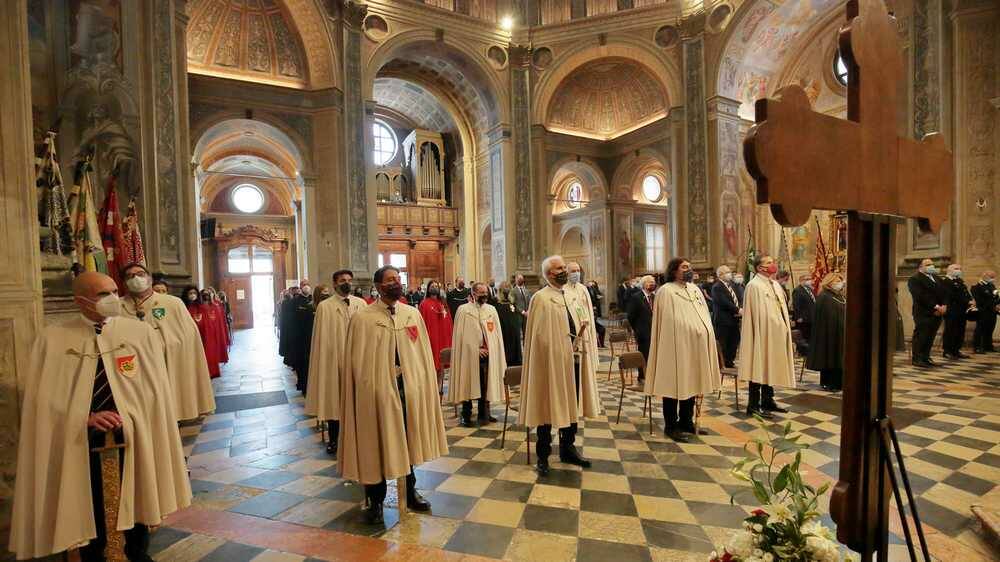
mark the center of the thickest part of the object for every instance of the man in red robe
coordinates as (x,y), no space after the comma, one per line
(436,316)
(211,326)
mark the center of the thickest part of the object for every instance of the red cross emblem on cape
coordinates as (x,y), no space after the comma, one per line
(126,365)
(489,325)
(412,332)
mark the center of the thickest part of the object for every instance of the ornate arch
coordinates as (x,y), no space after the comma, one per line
(584,168)
(641,52)
(630,171)
(321,54)
(301,152)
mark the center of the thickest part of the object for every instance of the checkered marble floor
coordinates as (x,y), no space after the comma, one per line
(263,466)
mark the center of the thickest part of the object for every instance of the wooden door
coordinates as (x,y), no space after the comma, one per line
(238,290)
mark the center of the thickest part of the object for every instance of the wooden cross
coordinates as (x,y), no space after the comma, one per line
(802,161)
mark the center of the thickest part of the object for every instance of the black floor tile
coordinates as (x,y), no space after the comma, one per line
(463,452)
(429,480)
(480,469)
(506,490)
(678,536)
(970,484)
(211,446)
(637,456)
(163,537)
(237,402)
(246,448)
(606,467)
(480,539)
(353,522)
(939,459)
(588,550)
(942,518)
(453,506)
(970,442)
(204,486)
(717,514)
(655,487)
(271,479)
(607,502)
(560,477)
(690,473)
(268,504)
(345,491)
(217,425)
(551,520)
(711,461)
(232,552)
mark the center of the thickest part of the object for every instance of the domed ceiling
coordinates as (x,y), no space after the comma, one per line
(606,98)
(415,102)
(245,39)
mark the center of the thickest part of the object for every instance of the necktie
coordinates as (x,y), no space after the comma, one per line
(101,399)
(392,312)
(649,301)
(732,294)
(572,325)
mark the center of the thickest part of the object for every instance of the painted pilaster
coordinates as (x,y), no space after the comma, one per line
(977,133)
(520,74)
(677,158)
(698,219)
(724,157)
(361,224)
(20,282)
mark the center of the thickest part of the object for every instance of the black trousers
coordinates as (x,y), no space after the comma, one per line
(643,345)
(729,341)
(924,330)
(376,492)
(954,334)
(333,430)
(136,538)
(484,405)
(567,435)
(760,395)
(982,337)
(600,334)
(831,378)
(678,414)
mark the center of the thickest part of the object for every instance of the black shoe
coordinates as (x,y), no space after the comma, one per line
(949,356)
(923,364)
(542,467)
(978,351)
(691,429)
(415,501)
(760,412)
(961,356)
(487,420)
(931,362)
(465,422)
(373,514)
(331,448)
(570,455)
(774,407)
(677,435)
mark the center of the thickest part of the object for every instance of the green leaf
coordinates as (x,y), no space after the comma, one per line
(781,482)
(822,489)
(760,493)
(788,427)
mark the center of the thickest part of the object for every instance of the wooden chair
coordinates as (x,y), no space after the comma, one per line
(617,336)
(512,377)
(445,366)
(633,361)
(728,372)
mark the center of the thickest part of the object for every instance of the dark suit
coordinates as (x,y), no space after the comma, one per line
(958,298)
(625,292)
(456,298)
(986,319)
(804,305)
(726,322)
(596,296)
(640,317)
(927,292)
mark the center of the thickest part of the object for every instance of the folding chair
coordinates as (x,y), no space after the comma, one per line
(512,377)
(633,360)
(445,366)
(617,336)
(728,372)
(799,344)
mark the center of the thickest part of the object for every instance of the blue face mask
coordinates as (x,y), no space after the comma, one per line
(931,270)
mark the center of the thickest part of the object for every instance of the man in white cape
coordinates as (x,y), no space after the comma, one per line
(580,295)
(555,386)
(683,358)
(92,374)
(327,357)
(187,367)
(477,357)
(390,410)
(765,357)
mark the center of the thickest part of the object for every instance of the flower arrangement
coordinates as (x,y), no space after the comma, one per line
(787,527)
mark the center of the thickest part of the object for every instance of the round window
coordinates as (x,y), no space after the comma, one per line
(574,195)
(839,68)
(384,143)
(651,188)
(248,198)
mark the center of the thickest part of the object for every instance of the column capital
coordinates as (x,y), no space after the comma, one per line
(353,13)
(723,106)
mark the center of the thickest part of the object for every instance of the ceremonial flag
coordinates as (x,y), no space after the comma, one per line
(53,209)
(132,238)
(87,248)
(784,256)
(749,256)
(820,266)
(111,235)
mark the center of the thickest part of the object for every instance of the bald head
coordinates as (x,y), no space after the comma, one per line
(90,287)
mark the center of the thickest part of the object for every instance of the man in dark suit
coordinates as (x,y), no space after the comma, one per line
(928,309)
(987,307)
(803,304)
(640,316)
(959,301)
(727,311)
(457,296)
(521,296)
(623,294)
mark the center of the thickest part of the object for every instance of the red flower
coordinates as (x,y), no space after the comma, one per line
(758,512)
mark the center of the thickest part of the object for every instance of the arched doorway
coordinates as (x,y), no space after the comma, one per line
(573,247)
(250,267)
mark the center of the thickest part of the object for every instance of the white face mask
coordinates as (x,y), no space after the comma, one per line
(738,280)
(574,277)
(107,306)
(727,277)
(138,284)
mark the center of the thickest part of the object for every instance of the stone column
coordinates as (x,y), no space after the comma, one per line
(310,232)
(976,28)
(677,157)
(361,208)
(724,160)
(20,282)
(699,223)
(520,88)
(500,166)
